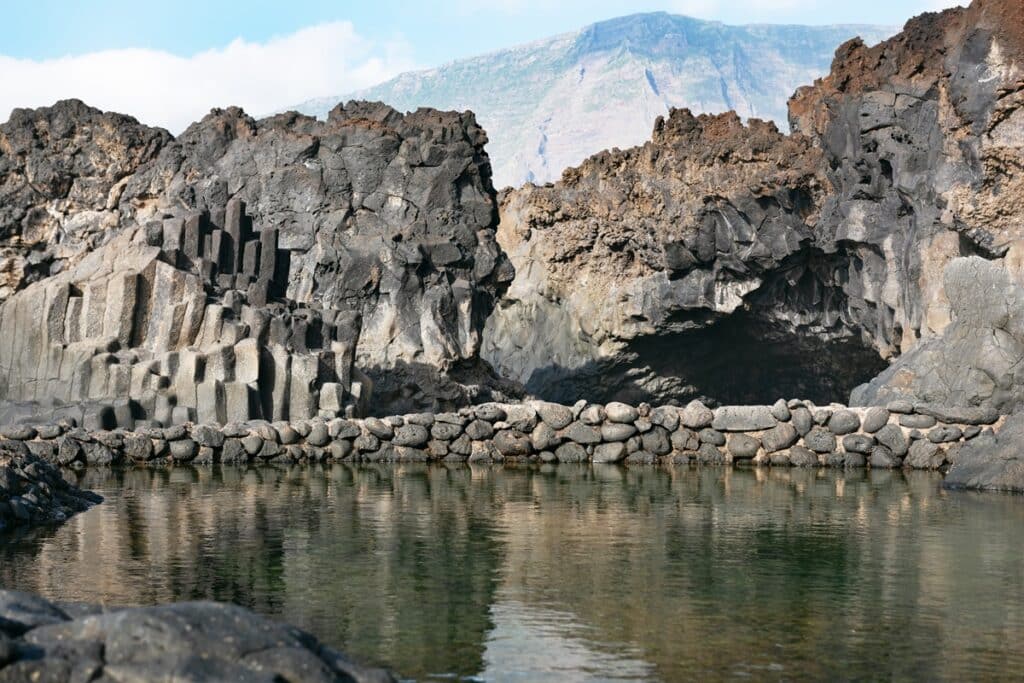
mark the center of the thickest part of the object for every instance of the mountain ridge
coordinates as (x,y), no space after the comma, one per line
(549,104)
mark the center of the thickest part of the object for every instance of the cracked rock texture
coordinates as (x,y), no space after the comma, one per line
(188,641)
(735,263)
(133,260)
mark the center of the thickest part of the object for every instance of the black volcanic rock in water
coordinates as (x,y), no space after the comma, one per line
(199,641)
(247,268)
(740,264)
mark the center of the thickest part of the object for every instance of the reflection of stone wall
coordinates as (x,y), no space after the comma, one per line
(180,320)
(796,433)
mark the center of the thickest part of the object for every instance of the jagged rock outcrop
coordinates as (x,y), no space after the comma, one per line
(247,268)
(805,262)
(32,490)
(195,641)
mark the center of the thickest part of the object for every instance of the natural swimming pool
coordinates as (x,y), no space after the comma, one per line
(568,572)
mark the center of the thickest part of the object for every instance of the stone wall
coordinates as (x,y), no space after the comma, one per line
(796,433)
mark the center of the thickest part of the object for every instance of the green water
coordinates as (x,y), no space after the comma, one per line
(569,573)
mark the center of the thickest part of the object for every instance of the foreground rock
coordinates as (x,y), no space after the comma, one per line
(33,492)
(992,462)
(733,262)
(191,641)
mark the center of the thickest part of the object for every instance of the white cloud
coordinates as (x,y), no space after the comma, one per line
(163,89)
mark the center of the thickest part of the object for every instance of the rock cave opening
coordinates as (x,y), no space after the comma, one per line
(747,358)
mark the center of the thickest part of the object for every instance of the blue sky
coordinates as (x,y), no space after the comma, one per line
(168,62)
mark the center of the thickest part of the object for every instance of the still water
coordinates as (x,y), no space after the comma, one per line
(569,573)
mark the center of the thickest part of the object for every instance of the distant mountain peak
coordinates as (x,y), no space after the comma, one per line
(549,104)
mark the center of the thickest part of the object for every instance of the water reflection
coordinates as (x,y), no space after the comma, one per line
(569,573)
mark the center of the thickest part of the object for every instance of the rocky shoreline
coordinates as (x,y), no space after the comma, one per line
(42,640)
(33,492)
(795,432)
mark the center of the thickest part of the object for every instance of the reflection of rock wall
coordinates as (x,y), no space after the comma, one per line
(182,320)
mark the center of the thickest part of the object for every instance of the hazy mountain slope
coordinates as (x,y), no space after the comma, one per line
(550,104)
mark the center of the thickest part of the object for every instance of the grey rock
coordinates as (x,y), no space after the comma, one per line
(211,641)
(858,443)
(184,450)
(365,443)
(445,431)
(802,457)
(743,418)
(915,421)
(544,437)
(900,406)
(571,452)
(609,452)
(874,419)
(684,439)
(891,436)
(657,441)
(207,435)
(820,440)
(666,416)
(512,443)
(696,415)
(743,446)
(378,428)
(582,433)
(478,430)
(991,461)
(411,435)
(924,455)
(882,458)
(801,419)
(712,437)
(554,415)
(138,448)
(822,416)
(944,434)
(18,432)
(779,437)
(617,432)
(490,412)
(621,413)
(592,415)
(319,435)
(780,411)
(707,454)
(844,422)
(343,429)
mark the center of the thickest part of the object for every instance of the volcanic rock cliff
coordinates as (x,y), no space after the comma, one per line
(234,271)
(736,263)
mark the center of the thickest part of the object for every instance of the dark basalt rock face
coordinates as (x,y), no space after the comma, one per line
(196,641)
(730,261)
(247,269)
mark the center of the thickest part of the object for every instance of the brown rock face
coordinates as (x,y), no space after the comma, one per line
(739,264)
